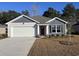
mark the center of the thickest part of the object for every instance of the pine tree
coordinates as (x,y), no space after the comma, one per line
(51,13)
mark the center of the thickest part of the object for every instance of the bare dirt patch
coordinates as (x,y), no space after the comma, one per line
(52,47)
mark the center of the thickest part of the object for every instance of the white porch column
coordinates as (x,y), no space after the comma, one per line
(47,30)
(38,31)
(65,30)
(56,28)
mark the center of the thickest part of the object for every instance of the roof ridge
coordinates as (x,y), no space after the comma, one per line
(41,16)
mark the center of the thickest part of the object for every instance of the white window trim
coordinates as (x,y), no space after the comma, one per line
(59,29)
(51,28)
(55,29)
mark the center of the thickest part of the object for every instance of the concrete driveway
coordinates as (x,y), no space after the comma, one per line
(16,46)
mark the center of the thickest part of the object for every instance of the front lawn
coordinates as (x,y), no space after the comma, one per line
(52,47)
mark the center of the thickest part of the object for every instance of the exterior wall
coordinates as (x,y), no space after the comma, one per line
(75,29)
(2,30)
(55,22)
(36,27)
(11,25)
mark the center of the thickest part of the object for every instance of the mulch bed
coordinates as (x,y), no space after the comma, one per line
(55,47)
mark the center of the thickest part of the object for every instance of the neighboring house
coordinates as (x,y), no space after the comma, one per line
(24,26)
(2,29)
(75,28)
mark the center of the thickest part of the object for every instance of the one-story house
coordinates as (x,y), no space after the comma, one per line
(24,26)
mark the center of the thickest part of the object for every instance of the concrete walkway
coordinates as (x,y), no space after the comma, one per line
(16,46)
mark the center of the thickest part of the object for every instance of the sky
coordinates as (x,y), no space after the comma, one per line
(42,6)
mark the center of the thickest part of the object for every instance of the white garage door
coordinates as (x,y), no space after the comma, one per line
(22,31)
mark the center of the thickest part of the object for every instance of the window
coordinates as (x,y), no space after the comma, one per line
(53,28)
(58,28)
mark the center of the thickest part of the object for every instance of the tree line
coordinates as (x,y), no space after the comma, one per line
(69,13)
(6,16)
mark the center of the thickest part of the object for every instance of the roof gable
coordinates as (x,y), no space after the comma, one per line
(22,18)
(56,18)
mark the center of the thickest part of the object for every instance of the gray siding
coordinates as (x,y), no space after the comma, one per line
(76,28)
(60,23)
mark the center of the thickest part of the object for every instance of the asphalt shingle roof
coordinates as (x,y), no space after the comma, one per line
(38,19)
(23,19)
(41,19)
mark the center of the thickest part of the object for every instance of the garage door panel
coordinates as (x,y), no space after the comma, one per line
(22,31)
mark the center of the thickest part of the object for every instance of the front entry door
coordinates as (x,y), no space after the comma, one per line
(42,30)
